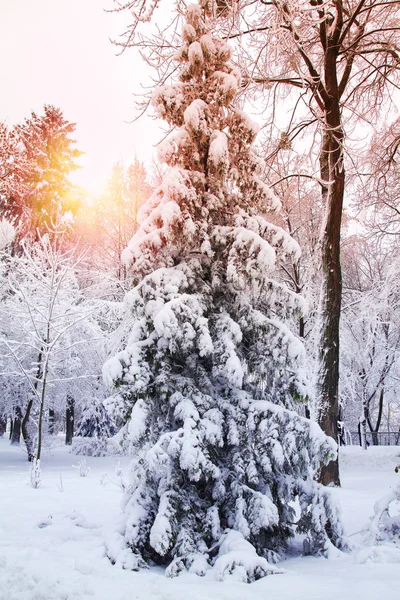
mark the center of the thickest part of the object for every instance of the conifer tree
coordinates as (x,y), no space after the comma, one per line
(14,171)
(51,156)
(209,376)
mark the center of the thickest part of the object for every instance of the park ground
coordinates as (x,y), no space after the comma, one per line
(53,539)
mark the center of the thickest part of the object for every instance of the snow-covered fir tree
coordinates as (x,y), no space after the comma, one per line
(94,429)
(208,380)
(95,422)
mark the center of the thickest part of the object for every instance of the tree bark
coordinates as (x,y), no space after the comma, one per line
(375,430)
(333,176)
(25,431)
(51,421)
(3,425)
(70,417)
(363,424)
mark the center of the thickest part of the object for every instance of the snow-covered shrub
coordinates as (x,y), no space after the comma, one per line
(237,557)
(93,432)
(96,447)
(381,535)
(385,524)
(119,479)
(209,377)
(82,468)
(95,422)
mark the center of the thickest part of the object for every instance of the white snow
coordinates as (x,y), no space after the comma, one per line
(195,116)
(112,371)
(53,539)
(207,45)
(188,33)
(218,151)
(195,53)
(238,557)
(7,233)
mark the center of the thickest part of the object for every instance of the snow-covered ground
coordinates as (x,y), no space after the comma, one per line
(52,539)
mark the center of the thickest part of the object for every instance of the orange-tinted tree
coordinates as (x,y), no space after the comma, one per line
(51,156)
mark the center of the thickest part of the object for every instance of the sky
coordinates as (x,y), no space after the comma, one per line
(59,52)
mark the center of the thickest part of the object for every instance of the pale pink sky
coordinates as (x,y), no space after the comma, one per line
(58,52)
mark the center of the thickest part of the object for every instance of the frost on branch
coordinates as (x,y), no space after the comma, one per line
(208,380)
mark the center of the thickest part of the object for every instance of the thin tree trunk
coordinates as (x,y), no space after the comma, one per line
(16,429)
(375,430)
(25,431)
(11,428)
(364,444)
(363,425)
(42,397)
(25,423)
(40,419)
(51,421)
(380,410)
(301,327)
(341,429)
(70,417)
(396,441)
(3,425)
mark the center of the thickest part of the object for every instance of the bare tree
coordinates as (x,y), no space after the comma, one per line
(370,331)
(377,197)
(105,226)
(40,307)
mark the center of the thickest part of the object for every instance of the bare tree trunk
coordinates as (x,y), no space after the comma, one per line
(70,417)
(333,175)
(375,430)
(51,421)
(16,428)
(375,439)
(25,423)
(3,425)
(397,438)
(363,424)
(25,431)
(341,428)
(40,419)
